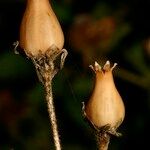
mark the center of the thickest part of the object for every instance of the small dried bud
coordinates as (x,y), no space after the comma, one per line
(40,28)
(105,106)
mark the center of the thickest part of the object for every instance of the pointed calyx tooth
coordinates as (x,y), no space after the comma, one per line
(107,66)
(97,66)
(115,64)
(92,67)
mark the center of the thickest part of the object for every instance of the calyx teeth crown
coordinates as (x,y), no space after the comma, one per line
(106,67)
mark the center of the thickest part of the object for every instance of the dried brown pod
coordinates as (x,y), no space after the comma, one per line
(40,29)
(42,40)
(105,109)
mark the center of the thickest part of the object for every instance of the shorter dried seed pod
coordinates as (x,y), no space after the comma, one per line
(105,107)
(40,29)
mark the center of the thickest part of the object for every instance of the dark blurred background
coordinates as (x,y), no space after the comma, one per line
(97,30)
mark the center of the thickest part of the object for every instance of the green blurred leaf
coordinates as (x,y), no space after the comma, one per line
(101,9)
(136,57)
(121,31)
(63,12)
(13,66)
(36,94)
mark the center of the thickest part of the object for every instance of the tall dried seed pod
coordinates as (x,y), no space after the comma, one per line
(40,28)
(105,106)
(42,39)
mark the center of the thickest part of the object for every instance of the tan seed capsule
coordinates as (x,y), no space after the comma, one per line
(105,106)
(40,28)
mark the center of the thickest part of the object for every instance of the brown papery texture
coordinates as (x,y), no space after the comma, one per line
(105,105)
(40,28)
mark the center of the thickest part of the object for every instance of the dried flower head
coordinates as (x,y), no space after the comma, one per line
(105,106)
(40,29)
(42,40)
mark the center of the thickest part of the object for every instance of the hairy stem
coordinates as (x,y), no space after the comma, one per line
(46,70)
(51,111)
(103,141)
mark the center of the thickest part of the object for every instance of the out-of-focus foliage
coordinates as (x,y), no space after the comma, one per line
(94,30)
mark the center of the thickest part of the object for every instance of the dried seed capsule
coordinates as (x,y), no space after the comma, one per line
(40,28)
(105,106)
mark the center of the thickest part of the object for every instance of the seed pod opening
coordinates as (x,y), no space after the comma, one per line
(40,28)
(105,106)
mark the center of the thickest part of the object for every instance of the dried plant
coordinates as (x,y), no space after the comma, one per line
(105,110)
(42,40)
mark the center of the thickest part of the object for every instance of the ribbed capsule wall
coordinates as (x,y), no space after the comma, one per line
(40,28)
(105,105)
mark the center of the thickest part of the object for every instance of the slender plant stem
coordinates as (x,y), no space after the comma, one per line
(51,111)
(103,141)
(46,70)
